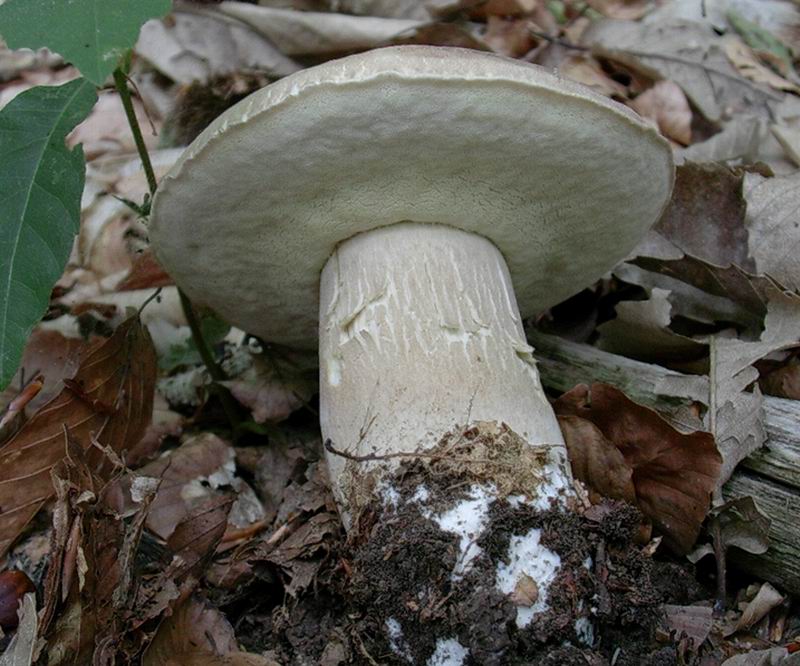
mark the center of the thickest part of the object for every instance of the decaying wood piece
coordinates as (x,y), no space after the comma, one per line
(771,475)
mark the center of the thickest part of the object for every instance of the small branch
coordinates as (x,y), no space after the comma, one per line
(555,40)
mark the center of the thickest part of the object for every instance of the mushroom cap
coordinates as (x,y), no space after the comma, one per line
(562,180)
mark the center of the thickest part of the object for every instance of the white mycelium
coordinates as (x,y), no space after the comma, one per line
(527,556)
(449,652)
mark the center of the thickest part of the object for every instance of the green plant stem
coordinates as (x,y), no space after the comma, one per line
(121,84)
(217,374)
(214,370)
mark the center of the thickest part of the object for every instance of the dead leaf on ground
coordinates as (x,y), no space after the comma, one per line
(666,104)
(773,223)
(272,384)
(694,622)
(735,404)
(629,10)
(110,399)
(509,37)
(687,53)
(765,600)
(674,473)
(190,475)
(706,215)
(747,63)
(641,330)
(196,43)
(146,273)
(585,69)
(21,649)
(305,33)
(194,626)
(596,461)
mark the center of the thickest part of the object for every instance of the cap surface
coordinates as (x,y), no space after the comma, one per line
(563,181)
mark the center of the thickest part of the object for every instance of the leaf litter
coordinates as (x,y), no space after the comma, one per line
(214,546)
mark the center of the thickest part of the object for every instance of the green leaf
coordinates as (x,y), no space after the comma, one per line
(91,34)
(213,330)
(760,39)
(41,183)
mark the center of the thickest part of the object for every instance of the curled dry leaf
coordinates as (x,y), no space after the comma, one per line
(596,461)
(109,400)
(765,600)
(674,473)
(666,104)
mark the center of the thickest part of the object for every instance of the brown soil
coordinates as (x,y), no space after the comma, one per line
(398,563)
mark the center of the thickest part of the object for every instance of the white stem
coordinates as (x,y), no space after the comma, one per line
(420,333)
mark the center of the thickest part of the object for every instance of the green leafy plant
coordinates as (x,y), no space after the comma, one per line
(40,178)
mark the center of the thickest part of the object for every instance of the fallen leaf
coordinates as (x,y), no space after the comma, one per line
(586,70)
(741,524)
(596,461)
(509,37)
(630,10)
(771,657)
(641,330)
(765,600)
(666,104)
(194,626)
(674,473)
(686,53)
(762,41)
(20,650)
(773,223)
(146,273)
(197,44)
(304,33)
(706,215)
(273,384)
(694,622)
(736,414)
(748,65)
(109,399)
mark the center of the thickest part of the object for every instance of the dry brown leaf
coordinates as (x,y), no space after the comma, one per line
(765,600)
(304,33)
(684,52)
(706,215)
(666,104)
(509,37)
(189,476)
(146,273)
(50,354)
(782,381)
(641,330)
(773,210)
(630,10)
(596,461)
(674,473)
(110,399)
(194,626)
(197,44)
(586,70)
(694,622)
(485,10)
(20,650)
(747,63)
(272,385)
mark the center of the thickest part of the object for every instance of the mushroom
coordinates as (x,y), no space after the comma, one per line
(403,209)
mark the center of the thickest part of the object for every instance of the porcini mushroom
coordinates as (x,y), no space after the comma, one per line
(403,209)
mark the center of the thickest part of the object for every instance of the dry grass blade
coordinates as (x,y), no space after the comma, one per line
(110,399)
